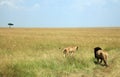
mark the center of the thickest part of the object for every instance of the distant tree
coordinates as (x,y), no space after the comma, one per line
(10,25)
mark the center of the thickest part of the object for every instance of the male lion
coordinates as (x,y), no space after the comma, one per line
(95,51)
(69,50)
(100,55)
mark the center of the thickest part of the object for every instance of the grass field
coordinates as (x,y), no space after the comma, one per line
(35,52)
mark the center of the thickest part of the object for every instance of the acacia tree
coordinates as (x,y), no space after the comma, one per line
(10,25)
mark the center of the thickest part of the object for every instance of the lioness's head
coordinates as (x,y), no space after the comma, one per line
(76,47)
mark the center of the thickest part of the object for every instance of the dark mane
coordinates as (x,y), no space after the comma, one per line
(95,50)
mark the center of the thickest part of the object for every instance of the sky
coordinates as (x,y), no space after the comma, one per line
(60,13)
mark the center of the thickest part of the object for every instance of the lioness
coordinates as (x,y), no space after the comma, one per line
(69,50)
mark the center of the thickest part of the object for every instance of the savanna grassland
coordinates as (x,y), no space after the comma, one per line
(38,52)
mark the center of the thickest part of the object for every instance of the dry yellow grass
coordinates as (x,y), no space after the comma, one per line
(35,52)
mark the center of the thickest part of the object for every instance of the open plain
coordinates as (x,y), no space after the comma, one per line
(37,52)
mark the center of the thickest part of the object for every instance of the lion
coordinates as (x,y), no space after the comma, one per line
(101,55)
(69,50)
(95,51)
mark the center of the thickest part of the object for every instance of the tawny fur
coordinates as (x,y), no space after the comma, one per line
(95,51)
(102,56)
(69,50)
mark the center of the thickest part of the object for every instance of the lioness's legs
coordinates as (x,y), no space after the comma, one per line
(64,55)
(71,53)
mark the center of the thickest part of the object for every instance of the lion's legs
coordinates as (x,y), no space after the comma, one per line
(105,62)
(100,60)
(97,60)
